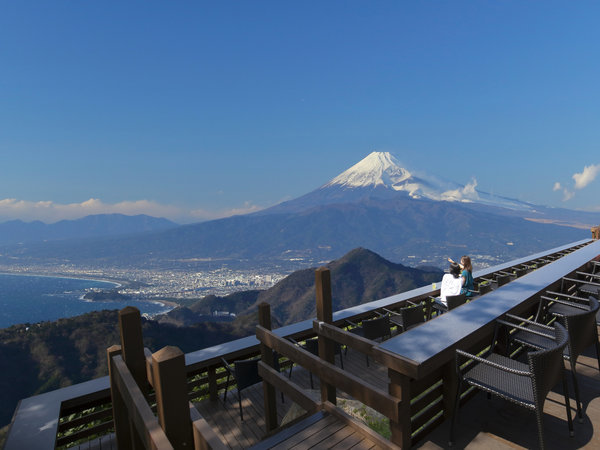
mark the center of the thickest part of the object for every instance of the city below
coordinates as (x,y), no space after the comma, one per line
(182,285)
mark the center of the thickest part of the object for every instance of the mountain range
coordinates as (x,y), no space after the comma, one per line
(93,226)
(376,204)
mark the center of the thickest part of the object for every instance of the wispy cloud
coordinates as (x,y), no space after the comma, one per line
(587,176)
(466,194)
(48,211)
(204,214)
(581,180)
(567,195)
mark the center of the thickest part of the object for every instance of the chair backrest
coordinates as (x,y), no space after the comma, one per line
(547,365)
(519,272)
(246,373)
(580,327)
(485,288)
(376,328)
(455,300)
(312,346)
(411,316)
(501,280)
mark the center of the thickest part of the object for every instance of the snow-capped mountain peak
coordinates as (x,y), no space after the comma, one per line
(383,170)
(377,169)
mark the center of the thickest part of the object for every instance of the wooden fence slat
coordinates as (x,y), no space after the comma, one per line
(353,385)
(291,389)
(205,437)
(145,422)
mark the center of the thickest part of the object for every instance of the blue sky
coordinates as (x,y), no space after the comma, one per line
(196,110)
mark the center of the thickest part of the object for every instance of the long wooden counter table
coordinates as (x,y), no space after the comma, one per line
(422,355)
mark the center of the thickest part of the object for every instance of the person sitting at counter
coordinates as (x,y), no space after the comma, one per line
(468,284)
(452,283)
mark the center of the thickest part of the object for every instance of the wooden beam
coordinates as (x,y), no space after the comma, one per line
(325,315)
(289,388)
(344,337)
(145,423)
(353,385)
(132,345)
(170,385)
(205,437)
(264,320)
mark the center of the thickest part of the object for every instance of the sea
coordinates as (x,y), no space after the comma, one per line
(31,299)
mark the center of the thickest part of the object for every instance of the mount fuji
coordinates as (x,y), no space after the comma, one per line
(381,175)
(406,217)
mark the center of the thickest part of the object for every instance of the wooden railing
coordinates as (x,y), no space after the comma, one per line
(133,372)
(89,415)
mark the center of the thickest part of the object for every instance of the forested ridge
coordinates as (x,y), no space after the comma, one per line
(50,355)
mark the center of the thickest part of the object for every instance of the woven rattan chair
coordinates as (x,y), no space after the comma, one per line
(501,280)
(407,317)
(526,384)
(454,301)
(559,307)
(579,328)
(373,329)
(245,374)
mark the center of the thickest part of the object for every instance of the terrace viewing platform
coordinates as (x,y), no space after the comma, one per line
(327,382)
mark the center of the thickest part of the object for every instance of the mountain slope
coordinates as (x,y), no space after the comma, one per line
(99,225)
(358,277)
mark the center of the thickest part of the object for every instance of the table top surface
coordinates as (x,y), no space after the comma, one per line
(418,345)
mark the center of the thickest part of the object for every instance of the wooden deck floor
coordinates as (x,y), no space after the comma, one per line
(225,418)
(483,423)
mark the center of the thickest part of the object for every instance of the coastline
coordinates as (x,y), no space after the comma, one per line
(117,283)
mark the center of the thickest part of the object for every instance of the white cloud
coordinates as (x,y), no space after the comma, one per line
(203,214)
(587,176)
(557,186)
(48,211)
(466,194)
(567,194)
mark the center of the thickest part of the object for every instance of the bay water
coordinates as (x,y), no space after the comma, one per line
(31,299)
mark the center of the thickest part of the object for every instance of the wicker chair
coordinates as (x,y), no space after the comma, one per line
(245,374)
(580,322)
(372,329)
(526,384)
(407,317)
(454,301)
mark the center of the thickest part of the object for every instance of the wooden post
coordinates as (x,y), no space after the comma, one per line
(264,320)
(399,387)
(449,387)
(132,345)
(119,410)
(212,384)
(325,314)
(170,385)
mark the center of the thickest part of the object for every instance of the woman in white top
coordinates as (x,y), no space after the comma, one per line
(451,283)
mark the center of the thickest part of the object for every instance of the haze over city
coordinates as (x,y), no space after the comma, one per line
(194,111)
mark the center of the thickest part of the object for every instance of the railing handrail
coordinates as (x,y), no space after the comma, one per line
(371,396)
